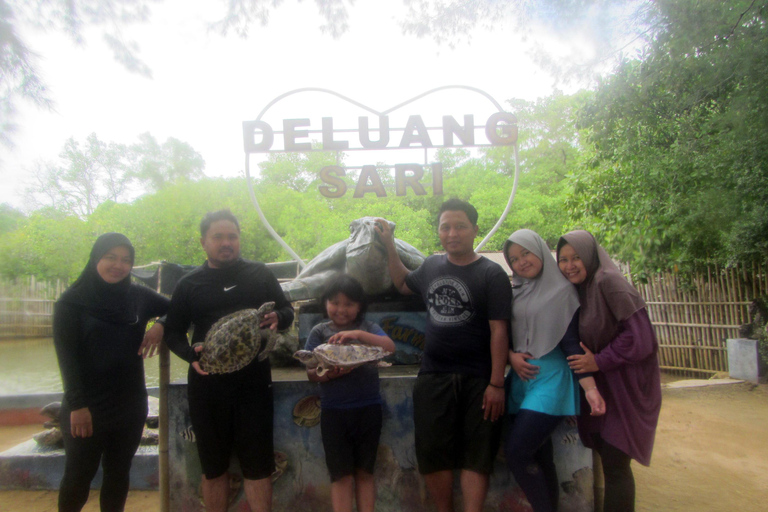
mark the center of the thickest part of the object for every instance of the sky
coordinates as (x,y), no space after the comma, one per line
(205,85)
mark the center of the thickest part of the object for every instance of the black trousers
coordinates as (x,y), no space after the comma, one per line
(619,480)
(530,457)
(114,448)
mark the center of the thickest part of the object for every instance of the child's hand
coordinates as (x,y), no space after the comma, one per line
(336,372)
(340,338)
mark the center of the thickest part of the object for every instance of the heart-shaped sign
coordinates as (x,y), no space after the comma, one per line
(490,132)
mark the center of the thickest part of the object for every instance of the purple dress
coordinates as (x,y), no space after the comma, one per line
(630,383)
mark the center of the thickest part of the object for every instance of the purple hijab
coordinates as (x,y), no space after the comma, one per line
(614,324)
(606,297)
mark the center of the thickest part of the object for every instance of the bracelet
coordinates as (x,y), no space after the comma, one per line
(590,389)
(495,386)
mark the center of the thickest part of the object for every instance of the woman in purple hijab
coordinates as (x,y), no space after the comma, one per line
(621,350)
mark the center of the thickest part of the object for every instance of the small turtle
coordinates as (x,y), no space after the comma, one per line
(51,437)
(149,437)
(327,356)
(51,411)
(236,340)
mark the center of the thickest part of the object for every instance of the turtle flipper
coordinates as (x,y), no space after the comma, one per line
(269,346)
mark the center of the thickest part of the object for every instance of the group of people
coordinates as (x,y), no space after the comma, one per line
(575,333)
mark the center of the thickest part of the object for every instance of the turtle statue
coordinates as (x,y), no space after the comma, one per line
(236,340)
(327,356)
(362,256)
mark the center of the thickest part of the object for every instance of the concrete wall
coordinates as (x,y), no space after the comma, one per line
(303,482)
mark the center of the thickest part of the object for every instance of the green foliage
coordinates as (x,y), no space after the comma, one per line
(679,174)
(159,165)
(49,245)
(164,225)
(10,218)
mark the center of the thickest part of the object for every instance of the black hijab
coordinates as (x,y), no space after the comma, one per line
(109,302)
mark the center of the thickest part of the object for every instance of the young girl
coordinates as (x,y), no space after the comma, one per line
(350,399)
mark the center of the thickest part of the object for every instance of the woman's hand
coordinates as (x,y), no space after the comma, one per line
(596,402)
(150,345)
(585,363)
(340,338)
(525,370)
(81,423)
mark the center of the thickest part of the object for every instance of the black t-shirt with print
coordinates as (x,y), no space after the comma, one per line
(460,300)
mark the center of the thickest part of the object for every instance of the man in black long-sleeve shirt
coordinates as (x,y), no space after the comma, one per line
(229,412)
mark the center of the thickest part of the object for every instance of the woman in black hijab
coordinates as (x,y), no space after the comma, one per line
(98,327)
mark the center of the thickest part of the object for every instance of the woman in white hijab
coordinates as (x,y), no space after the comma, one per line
(541,388)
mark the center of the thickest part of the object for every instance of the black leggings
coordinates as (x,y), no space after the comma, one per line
(619,481)
(530,457)
(114,448)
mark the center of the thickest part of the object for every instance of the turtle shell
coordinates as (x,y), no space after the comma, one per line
(306,412)
(236,340)
(348,356)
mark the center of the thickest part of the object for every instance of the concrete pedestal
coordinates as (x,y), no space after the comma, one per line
(29,466)
(743,359)
(302,482)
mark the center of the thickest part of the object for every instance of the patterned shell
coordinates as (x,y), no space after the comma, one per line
(236,340)
(351,355)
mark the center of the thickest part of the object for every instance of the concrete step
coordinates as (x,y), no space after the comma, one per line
(30,466)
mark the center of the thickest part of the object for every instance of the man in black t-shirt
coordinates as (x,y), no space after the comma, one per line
(459,393)
(229,412)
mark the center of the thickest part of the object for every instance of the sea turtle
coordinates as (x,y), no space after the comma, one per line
(327,356)
(236,339)
(51,411)
(362,256)
(50,437)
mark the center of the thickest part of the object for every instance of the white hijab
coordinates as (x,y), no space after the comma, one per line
(542,307)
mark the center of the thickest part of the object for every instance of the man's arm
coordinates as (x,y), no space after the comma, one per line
(493,400)
(397,270)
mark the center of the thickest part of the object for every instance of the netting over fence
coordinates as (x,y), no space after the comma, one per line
(26,307)
(695,314)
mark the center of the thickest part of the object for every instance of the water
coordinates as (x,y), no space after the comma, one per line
(30,366)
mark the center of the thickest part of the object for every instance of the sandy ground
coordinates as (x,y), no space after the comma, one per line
(711,454)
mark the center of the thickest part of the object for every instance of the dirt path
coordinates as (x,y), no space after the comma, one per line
(711,455)
(711,452)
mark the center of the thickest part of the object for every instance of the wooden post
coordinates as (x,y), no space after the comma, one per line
(162,448)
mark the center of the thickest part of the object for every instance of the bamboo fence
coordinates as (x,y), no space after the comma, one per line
(694,315)
(26,307)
